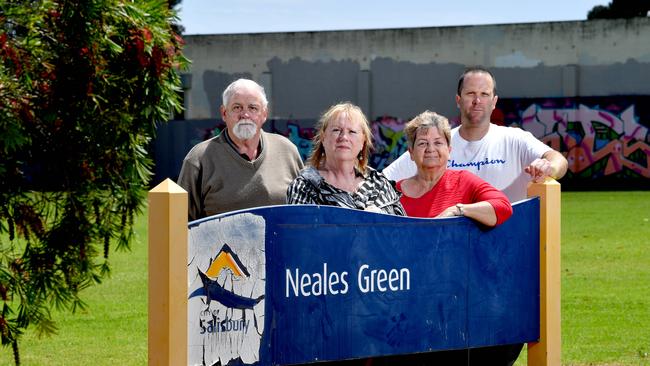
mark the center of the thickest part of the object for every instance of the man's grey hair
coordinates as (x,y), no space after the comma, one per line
(243,83)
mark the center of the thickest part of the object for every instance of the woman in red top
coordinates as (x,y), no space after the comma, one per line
(437,192)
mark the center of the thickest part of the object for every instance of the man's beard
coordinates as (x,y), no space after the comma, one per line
(245,129)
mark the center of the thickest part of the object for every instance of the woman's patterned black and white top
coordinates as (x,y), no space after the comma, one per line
(375,190)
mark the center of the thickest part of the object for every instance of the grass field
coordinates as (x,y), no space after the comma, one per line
(605,294)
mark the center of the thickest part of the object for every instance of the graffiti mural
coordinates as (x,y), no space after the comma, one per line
(389,139)
(605,138)
(300,136)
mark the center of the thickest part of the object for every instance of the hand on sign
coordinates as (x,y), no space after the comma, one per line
(539,169)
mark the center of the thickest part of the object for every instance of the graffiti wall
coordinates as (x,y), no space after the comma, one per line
(605,139)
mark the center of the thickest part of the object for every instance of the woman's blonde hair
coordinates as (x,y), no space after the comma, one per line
(424,121)
(354,113)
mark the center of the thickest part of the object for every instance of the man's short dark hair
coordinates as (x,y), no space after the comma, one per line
(476,69)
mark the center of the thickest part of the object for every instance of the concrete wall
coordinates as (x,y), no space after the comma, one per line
(581,87)
(401,72)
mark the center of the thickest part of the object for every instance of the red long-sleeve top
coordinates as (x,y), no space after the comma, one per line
(456,186)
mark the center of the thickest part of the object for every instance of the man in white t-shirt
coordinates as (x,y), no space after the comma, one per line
(506,157)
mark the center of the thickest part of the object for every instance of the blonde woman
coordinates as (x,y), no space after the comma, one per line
(338,173)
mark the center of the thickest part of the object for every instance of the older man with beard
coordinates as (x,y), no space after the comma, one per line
(243,166)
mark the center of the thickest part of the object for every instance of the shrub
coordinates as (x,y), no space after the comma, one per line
(82,85)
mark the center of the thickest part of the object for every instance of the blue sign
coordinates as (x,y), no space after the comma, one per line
(296,284)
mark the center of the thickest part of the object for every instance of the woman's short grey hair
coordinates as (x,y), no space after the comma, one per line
(424,121)
(243,83)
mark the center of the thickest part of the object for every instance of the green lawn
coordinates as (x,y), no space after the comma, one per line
(605,294)
(112,331)
(606,278)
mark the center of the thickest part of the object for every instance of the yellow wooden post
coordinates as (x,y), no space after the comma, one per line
(547,352)
(167,275)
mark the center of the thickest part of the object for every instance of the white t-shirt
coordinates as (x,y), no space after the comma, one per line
(499,158)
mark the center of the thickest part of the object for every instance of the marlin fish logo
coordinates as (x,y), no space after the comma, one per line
(226,260)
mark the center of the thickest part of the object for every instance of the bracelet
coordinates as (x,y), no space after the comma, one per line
(459,206)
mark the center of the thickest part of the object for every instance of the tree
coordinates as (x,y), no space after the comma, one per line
(620,9)
(82,85)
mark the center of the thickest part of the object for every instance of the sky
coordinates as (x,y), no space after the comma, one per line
(263,16)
